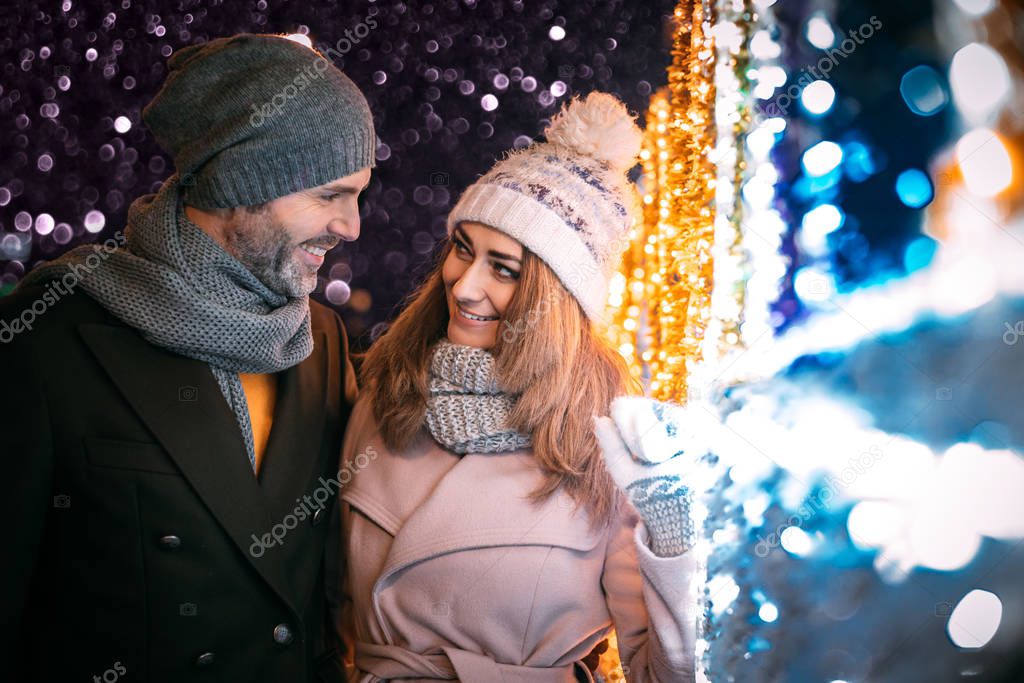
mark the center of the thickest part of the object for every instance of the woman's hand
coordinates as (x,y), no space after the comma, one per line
(647,452)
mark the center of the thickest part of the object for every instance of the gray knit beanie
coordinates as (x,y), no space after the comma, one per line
(250,118)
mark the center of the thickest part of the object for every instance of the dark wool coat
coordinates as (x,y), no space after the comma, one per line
(139,545)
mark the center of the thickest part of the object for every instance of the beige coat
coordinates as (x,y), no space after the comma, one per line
(449,573)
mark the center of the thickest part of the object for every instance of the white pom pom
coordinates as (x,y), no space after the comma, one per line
(599,127)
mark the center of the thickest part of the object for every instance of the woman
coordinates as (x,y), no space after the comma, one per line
(486,538)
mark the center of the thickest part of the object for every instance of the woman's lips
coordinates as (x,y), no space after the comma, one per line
(461,319)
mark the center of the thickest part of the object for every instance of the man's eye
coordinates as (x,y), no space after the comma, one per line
(330,197)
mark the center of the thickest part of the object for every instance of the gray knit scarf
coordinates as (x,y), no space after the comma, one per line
(183,292)
(467,412)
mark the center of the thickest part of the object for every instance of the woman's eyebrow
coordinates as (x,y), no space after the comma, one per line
(507,257)
(462,234)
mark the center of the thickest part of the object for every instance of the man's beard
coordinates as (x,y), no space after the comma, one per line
(266,250)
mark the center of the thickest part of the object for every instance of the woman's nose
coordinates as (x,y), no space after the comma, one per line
(469,286)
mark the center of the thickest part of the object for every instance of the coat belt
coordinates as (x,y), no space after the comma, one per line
(390,661)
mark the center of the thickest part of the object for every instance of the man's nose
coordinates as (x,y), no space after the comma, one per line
(345,227)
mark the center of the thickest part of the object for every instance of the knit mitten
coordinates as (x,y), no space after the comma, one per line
(646,453)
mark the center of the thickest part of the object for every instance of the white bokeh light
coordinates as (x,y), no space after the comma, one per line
(822,158)
(768,612)
(723,591)
(94,221)
(818,97)
(44,224)
(796,541)
(763,47)
(337,292)
(984,162)
(975,619)
(814,285)
(820,33)
(980,81)
(976,7)
(873,522)
(816,226)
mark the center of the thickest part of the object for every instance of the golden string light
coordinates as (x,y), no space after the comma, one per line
(696,284)
(661,299)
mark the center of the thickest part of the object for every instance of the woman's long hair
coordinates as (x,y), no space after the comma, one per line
(547,351)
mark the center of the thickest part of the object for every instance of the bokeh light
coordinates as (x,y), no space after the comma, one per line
(976,7)
(984,162)
(914,188)
(923,91)
(819,32)
(818,97)
(822,158)
(980,80)
(975,619)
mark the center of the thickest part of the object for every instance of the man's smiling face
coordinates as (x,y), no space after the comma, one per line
(284,241)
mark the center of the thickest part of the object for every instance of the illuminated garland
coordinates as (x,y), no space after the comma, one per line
(708,220)
(661,300)
(749,266)
(733,116)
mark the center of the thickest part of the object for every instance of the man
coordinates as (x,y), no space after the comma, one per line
(173,409)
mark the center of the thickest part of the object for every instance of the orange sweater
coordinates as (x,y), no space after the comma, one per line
(261,395)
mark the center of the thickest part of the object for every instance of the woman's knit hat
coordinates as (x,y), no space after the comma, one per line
(568,200)
(253,117)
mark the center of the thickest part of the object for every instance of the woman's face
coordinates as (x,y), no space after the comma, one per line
(480,275)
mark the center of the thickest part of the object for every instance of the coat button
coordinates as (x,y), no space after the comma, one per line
(170,541)
(282,634)
(205,659)
(318,516)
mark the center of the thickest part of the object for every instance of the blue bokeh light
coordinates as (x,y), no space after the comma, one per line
(859,163)
(923,91)
(919,253)
(914,188)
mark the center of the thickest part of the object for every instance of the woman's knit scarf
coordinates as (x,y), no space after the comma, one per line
(183,292)
(467,412)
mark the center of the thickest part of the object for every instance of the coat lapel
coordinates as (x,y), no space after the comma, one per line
(480,502)
(179,401)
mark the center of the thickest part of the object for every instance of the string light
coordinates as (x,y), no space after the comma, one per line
(697,281)
(660,300)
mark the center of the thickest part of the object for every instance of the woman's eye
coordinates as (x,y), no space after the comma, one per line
(506,271)
(459,246)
